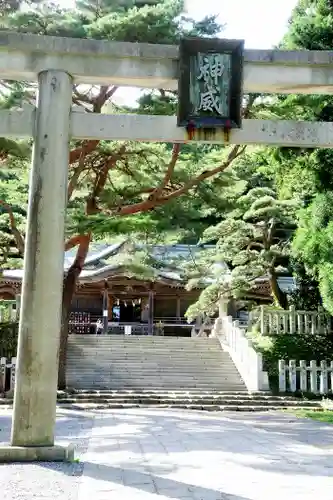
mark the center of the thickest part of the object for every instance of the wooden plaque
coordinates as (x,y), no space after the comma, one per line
(210,83)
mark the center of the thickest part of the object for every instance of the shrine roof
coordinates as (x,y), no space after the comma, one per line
(100,262)
(166,264)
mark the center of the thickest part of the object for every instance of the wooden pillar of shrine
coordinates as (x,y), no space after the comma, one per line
(105,308)
(178,316)
(110,306)
(151,312)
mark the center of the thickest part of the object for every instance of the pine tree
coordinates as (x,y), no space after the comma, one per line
(308,173)
(114,187)
(253,242)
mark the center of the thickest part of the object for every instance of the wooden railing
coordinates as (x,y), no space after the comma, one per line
(306,377)
(272,321)
(85,323)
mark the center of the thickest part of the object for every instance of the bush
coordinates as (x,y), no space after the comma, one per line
(286,346)
(8,339)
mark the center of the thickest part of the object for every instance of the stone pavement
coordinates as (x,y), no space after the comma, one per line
(159,455)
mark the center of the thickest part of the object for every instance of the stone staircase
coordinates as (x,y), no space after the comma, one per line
(145,363)
(115,372)
(119,372)
(188,400)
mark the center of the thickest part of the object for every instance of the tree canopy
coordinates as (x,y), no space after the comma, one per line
(266,211)
(153,191)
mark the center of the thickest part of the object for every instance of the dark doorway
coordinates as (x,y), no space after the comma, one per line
(127,312)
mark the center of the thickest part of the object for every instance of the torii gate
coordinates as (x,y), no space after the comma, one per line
(57,63)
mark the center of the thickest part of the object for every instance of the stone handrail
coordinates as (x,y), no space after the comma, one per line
(248,362)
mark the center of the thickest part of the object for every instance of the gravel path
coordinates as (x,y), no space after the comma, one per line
(145,454)
(47,481)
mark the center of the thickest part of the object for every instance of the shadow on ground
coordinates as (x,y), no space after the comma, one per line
(276,443)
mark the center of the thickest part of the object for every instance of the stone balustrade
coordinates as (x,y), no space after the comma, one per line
(248,362)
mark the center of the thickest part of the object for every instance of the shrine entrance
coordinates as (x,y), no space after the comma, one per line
(211,76)
(128,311)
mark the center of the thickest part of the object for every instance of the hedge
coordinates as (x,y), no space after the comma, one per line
(8,339)
(305,346)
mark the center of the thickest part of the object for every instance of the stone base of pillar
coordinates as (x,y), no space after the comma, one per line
(55,453)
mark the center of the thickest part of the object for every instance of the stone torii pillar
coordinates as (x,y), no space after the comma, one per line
(40,319)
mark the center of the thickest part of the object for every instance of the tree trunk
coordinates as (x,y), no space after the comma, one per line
(278,294)
(69,288)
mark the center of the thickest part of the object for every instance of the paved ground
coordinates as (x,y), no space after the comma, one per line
(157,455)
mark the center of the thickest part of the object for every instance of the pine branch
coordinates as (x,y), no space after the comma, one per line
(77,240)
(86,148)
(19,240)
(169,172)
(234,153)
(100,181)
(72,184)
(150,203)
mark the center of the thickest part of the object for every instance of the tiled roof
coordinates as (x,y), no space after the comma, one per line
(98,266)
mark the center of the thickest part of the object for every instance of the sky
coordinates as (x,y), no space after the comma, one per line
(261,23)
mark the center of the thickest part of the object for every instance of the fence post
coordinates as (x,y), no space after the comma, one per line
(12,313)
(292,375)
(323,377)
(321,321)
(314,324)
(282,376)
(331,375)
(292,315)
(13,374)
(262,320)
(3,362)
(313,377)
(18,306)
(303,376)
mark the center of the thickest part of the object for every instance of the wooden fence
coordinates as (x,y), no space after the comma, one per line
(8,310)
(276,321)
(7,374)
(306,377)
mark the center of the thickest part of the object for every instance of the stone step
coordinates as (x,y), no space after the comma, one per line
(200,407)
(159,395)
(156,382)
(107,384)
(187,405)
(187,401)
(163,363)
(158,347)
(119,386)
(204,363)
(199,375)
(117,355)
(141,339)
(176,393)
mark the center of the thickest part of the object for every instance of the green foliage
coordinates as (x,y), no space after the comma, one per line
(321,416)
(306,296)
(8,339)
(134,170)
(252,239)
(306,174)
(285,346)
